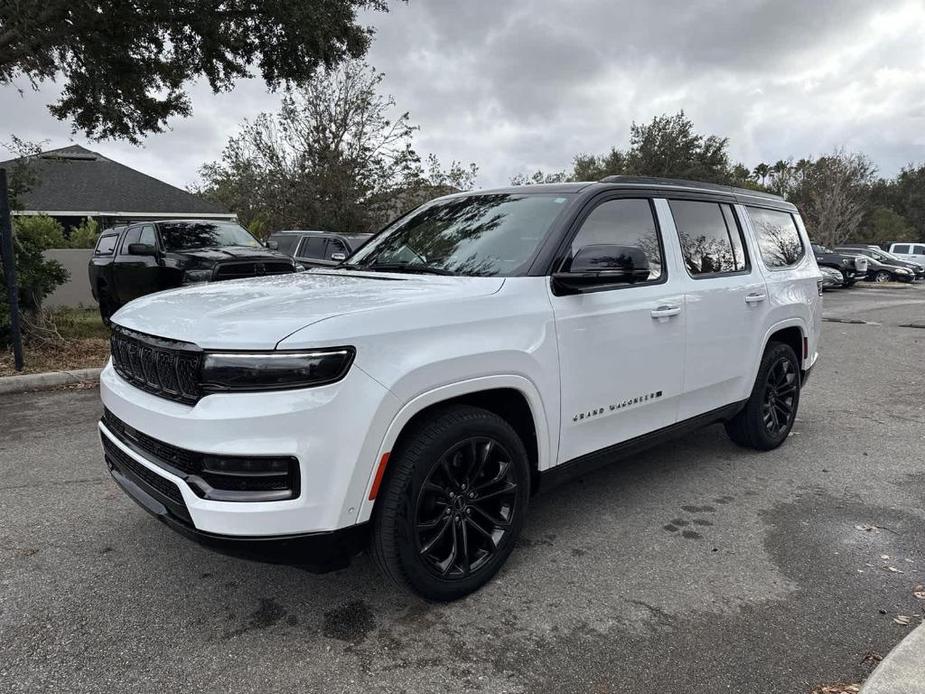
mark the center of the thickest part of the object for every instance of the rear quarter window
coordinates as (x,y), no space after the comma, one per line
(778,237)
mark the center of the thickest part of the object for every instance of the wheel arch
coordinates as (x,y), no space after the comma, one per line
(791,332)
(513,398)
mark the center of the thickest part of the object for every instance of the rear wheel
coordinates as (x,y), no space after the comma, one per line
(453,503)
(767,418)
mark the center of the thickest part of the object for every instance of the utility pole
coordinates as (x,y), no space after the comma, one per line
(9,270)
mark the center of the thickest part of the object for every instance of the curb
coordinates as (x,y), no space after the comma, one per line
(50,379)
(903,669)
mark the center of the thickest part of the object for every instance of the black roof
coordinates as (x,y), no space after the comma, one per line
(74,179)
(644,182)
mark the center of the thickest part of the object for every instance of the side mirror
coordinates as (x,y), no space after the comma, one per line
(602,265)
(273,245)
(339,256)
(141,249)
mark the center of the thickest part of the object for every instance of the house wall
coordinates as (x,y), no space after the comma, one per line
(76,291)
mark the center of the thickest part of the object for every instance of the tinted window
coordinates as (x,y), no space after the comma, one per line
(182,236)
(706,237)
(148,236)
(901,248)
(777,236)
(622,223)
(131,236)
(287,242)
(106,245)
(312,247)
(482,234)
(336,246)
(918,250)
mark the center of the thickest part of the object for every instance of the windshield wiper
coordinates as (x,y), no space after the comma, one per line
(414,268)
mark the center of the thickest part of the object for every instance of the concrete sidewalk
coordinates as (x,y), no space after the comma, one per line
(903,669)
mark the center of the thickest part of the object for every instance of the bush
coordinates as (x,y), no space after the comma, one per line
(35,276)
(84,236)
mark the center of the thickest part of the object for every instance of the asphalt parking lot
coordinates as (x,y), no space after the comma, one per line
(695,566)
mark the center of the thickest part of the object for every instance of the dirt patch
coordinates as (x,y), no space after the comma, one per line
(74,339)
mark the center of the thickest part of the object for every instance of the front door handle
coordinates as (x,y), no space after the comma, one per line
(665,311)
(755,298)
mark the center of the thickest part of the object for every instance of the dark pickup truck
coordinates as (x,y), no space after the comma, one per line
(845,264)
(148,257)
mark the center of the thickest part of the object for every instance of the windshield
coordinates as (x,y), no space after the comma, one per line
(185,236)
(482,234)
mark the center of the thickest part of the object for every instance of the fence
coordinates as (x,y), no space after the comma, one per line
(76,291)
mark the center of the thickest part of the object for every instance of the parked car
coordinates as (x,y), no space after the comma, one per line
(914,252)
(832,278)
(481,348)
(851,268)
(129,262)
(883,267)
(318,248)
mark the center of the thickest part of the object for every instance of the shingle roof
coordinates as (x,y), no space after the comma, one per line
(75,179)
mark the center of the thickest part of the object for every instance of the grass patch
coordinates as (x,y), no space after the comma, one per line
(83,344)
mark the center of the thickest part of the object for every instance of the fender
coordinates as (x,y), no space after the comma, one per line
(780,325)
(446,392)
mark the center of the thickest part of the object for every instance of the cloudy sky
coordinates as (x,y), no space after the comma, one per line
(525,84)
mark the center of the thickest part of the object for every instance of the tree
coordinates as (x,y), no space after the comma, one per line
(905,195)
(125,65)
(668,146)
(540,176)
(884,226)
(85,234)
(761,173)
(833,196)
(334,157)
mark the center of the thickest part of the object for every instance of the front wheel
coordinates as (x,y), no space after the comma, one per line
(767,418)
(453,503)
(883,276)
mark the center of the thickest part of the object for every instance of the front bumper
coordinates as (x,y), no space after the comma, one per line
(319,552)
(334,432)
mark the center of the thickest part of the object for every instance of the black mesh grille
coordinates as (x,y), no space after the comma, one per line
(180,458)
(167,368)
(121,460)
(230,271)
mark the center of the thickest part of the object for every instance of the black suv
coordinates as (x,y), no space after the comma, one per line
(318,248)
(148,257)
(846,265)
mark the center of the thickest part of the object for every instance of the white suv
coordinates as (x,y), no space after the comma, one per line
(488,343)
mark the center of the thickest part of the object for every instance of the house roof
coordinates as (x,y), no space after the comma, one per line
(73,180)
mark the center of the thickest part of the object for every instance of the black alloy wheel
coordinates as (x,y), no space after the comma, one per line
(780,391)
(465,507)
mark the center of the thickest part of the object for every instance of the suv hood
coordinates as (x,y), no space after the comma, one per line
(258,313)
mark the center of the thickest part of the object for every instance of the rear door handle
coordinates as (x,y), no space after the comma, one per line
(755,298)
(665,311)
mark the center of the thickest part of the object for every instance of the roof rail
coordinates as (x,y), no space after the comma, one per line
(684,183)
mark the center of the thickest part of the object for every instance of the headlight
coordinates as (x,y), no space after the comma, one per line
(255,371)
(903,271)
(196,276)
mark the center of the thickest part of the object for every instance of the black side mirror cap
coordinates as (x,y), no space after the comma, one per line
(602,264)
(141,249)
(273,245)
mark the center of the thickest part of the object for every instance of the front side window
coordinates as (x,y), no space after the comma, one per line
(185,236)
(483,235)
(335,246)
(777,235)
(710,238)
(286,243)
(624,222)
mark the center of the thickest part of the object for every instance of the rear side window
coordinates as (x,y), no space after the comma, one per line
(900,248)
(106,245)
(710,237)
(778,237)
(918,250)
(624,222)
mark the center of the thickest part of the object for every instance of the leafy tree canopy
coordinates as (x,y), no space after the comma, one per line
(125,63)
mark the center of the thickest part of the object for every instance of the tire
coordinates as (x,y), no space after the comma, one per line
(767,418)
(438,540)
(107,308)
(883,276)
